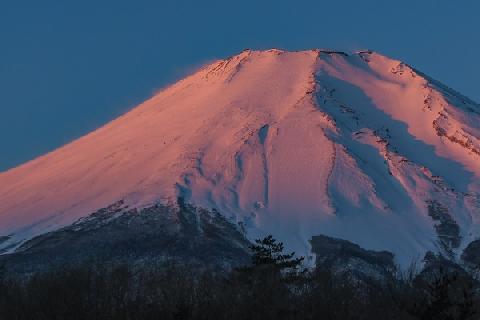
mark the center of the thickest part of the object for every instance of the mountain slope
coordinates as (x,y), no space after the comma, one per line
(359,147)
(149,238)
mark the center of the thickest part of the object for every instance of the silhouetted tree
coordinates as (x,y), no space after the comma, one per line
(269,252)
(445,295)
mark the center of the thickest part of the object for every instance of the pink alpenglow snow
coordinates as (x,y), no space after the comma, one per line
(356,146)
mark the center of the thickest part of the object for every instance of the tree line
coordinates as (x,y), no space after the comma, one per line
(275,285)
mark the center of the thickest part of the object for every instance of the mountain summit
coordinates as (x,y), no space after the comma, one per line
(295,144)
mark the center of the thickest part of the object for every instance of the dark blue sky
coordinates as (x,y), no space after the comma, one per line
(67,67)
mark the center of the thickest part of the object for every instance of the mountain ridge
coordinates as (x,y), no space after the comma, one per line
(297,144)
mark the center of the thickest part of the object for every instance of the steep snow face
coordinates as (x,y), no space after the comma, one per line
(359,147)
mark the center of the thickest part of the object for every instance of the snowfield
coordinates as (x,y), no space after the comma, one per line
(296,144)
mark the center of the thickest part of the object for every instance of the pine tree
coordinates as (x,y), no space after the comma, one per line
(269,252)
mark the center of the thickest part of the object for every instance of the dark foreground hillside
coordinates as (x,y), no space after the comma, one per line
(273,286)
(146,238)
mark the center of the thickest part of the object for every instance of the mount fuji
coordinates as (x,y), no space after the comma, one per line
(356,146)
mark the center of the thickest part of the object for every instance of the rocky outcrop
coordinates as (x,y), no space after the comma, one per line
(342,256)
(462,138)
(446,227)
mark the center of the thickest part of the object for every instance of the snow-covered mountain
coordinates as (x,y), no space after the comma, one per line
(354,146)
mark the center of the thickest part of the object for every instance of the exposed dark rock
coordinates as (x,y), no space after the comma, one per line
(342,256)
(331,52)
(365,55)
(153,236)
(458,137)
(447,228)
